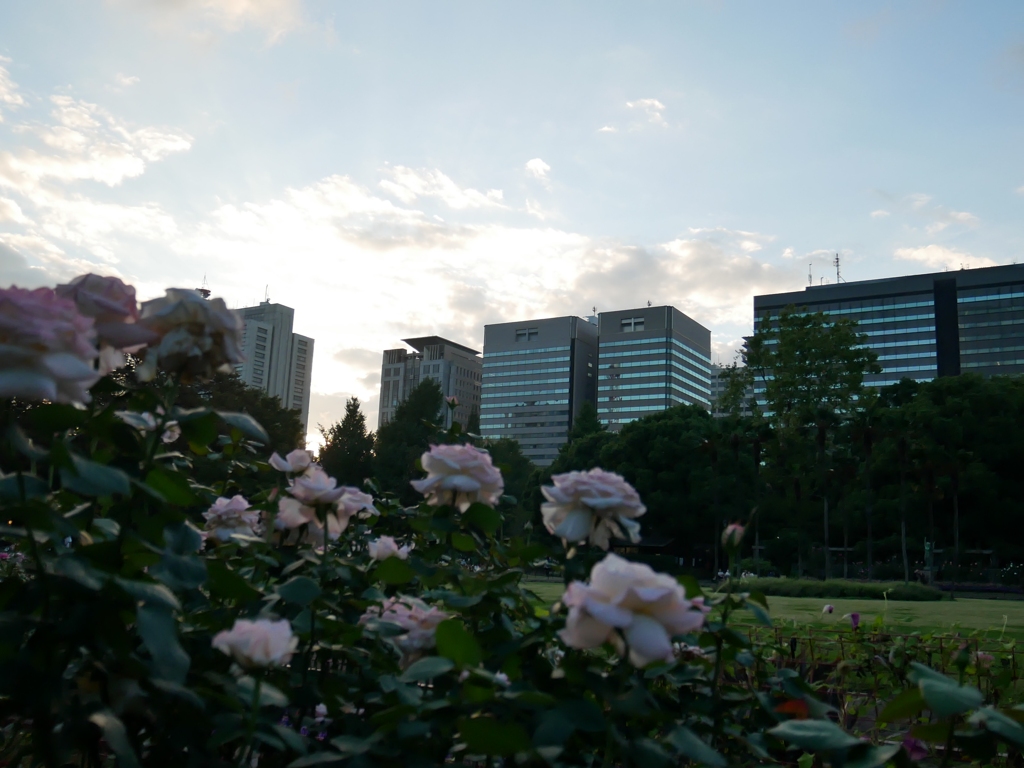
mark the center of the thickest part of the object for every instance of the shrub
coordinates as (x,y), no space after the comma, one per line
(841,588)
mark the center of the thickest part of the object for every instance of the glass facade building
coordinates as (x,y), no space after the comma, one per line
(924,326)
(651,359)
(536,376)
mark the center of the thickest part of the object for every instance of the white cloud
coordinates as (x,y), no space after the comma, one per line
(937,217)
(879,214)
(275,17)
(652,108)
(1020,190)
(940,257)
(125,81)
(407,184)
(9,96)
(607,129)
(538,169)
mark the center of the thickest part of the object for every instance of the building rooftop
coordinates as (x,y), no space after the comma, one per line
(421,342)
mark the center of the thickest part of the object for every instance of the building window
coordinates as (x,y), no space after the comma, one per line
(261,347)
(631,324)
(260,356)
(527,334)
(302,343)
(300,367)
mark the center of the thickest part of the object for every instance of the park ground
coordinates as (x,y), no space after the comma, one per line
(964,615)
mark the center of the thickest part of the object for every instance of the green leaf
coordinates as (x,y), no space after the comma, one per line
(996,722)
(394,571)
(148,592)
(93,479)
(946,698)
(487,519)
(159,633)
(933,733)
(24,445)
(487,736)
(555,729)
(226,584)
(269,695)
(759,613)
(56,417)
(11,487)
(179,571)
(80,572)
(691,585)
(584,714)
(173,486)
(353,745)
(907,704)
(198,425)
(294,740)
(870,756)
(464,542)
(426,669)
(814,735)
(919,672)
(690,745)
(178,691)
(183,538)
(318,758)
(300,590)
(806,760)
(116,736)
(245,424)
(455,642)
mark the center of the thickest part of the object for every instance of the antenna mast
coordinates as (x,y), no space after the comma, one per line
(839,277)
(810,277)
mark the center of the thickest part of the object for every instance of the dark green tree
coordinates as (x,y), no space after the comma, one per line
(401,442)
(586,422)
(347,452)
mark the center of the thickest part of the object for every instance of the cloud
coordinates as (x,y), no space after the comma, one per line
(407,184)
(124,81)
(607,129)
(275,17)
(358,358)
(15,269)
(9,96)
(1020,190)
(538,169)
(940,257)
(879,214)
(938,217)
(652,108)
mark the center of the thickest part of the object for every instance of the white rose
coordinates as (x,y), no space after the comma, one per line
(259,643)
(230,516)
(315,486)
(632,601)
(594,504)
(297,461)
(196,337)
(414,616)
(385,547)
(459,475)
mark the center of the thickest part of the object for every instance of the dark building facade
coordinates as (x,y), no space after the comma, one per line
(536,376)
(924,326)
(652,358)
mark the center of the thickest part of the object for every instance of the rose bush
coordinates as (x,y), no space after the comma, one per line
(300,634)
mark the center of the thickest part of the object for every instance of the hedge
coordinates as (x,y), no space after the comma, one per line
(841,588)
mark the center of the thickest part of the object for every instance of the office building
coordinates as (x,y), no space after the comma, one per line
(718,384)
(455,368)
(651,359)
(276,360)
(536,376)
(924,326)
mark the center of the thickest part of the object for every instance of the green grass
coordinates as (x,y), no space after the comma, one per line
(962,615)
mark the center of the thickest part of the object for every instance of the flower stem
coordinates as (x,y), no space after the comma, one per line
(253,717)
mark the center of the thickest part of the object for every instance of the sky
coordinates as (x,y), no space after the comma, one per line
(402,169)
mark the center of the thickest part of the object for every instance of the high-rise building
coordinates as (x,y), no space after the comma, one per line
(537,375)
(455,367)
(652,358)
(924,326)
(718,384)
(276,360)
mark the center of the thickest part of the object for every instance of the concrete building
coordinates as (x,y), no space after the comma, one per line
(276,360)
(537,375)
(456,369)
(718,386)
(651,359)
(924,326)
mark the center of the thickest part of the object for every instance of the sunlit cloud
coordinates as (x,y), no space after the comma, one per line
(652,108)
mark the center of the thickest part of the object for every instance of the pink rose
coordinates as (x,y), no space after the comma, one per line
(297,461)
(47,347)
(292,514)
(230,516)
(315,486)
(385,547)
(259,643)
(353,501)
(594,504)
(196,337)
(111,303)
(459,475)
(629,601)
(418,619)
(732,535)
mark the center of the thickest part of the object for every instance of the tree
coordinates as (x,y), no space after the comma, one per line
(401,442)
(516,471)
(811,369)
(586,422)
(347,453)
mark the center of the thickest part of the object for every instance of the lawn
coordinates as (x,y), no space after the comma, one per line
(963,615)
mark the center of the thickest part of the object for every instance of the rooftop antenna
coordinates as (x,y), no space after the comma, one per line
(839,277)
(810,277)
(266,293)
(648,302)
(204,291)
